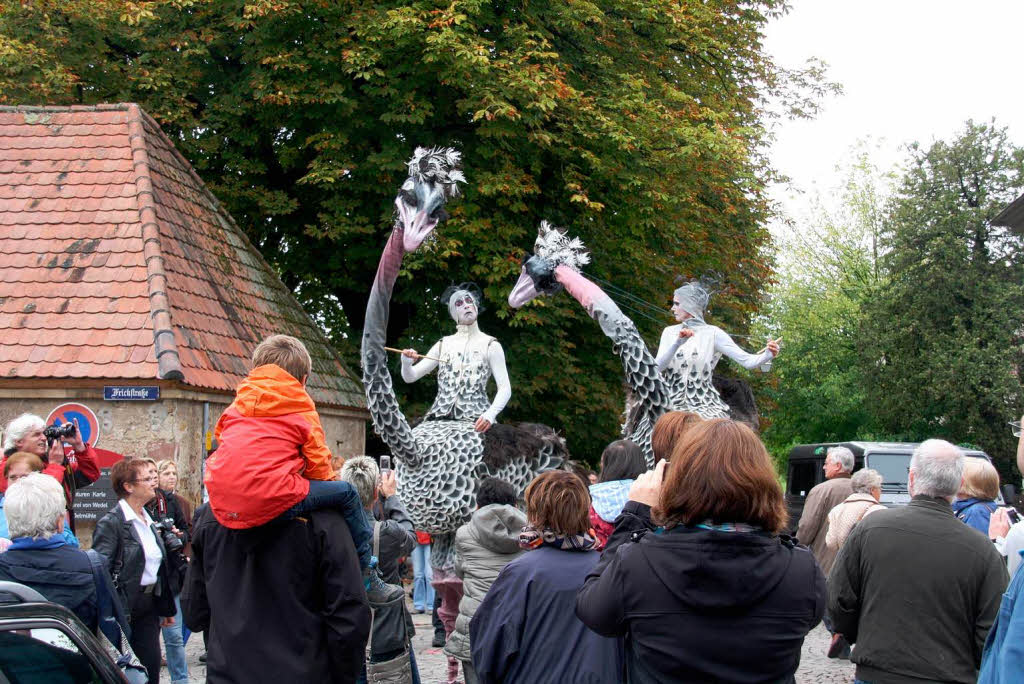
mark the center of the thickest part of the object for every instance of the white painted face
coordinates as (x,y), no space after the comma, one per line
(677,311)
(462,307)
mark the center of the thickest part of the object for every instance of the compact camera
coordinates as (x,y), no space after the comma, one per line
(171,540)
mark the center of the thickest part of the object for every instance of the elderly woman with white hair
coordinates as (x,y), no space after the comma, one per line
(867,491)
(39,555)
(395,533)
(74,466)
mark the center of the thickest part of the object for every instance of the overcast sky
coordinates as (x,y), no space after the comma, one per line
(910,69)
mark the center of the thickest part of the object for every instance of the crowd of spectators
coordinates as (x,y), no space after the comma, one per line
(682,573)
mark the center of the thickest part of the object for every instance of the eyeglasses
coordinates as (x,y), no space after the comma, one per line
(152,478)
(15,478)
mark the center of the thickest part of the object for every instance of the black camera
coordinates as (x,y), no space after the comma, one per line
(171,540)
(55,432)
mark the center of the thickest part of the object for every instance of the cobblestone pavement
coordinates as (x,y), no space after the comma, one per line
(815,668)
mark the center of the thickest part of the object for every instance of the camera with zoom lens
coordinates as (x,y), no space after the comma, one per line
(171,540)
(55,432)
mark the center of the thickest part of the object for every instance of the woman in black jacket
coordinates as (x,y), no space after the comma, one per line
(715,594)
(137,559)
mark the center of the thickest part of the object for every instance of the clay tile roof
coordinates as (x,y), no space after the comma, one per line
(116,261)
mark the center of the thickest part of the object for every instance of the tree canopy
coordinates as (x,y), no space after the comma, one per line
(637,124)
(942,335)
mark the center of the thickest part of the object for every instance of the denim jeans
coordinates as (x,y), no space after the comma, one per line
(175,647)
(342,496)
(422,590)
(361,679)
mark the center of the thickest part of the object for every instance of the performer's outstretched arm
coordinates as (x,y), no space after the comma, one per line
(724,345)
(413,372)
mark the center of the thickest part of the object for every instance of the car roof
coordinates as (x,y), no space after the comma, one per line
(804,452)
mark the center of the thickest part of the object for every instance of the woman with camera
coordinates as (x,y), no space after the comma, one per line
(137,557)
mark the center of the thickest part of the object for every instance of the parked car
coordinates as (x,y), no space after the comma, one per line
(890,459)
(45,643)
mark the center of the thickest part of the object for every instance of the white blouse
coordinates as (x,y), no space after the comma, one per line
(143,527)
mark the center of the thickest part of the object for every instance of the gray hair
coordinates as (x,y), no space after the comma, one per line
(842,456)
(362,473)
(938,469)
(18,428)
(865,480)
(34,505)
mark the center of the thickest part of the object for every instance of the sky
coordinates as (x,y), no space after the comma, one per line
(911,71)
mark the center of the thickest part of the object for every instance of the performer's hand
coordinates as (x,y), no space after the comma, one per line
(76,439)
(412,354)
(773,346)
(998,524)
(685,333)
(167,621)
(646,489)
(388,483)
(482,424)
(56,453)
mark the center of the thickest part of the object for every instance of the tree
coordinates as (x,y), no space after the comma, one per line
(638,124)
(942,338)
(826,273)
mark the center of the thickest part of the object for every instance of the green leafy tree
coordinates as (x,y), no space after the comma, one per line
(942,338)
(638,124)
(827,271)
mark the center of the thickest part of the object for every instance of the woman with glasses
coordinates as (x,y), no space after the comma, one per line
(17,466)
(137,559)
(465,362)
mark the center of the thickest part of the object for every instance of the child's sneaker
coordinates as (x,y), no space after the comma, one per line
(379,591)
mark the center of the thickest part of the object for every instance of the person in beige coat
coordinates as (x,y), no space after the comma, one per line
(867,490)
(822,498)
(483,547)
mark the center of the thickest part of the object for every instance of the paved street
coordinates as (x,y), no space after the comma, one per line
(815,668)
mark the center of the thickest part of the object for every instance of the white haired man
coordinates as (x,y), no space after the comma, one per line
(813,527)
(74,467)
(914,588)
(39,556)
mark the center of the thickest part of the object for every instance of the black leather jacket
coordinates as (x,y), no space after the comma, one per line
(115,537)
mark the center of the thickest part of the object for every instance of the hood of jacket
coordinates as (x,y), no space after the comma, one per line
(496,527)
(270,390)
(710,570)
(608,498)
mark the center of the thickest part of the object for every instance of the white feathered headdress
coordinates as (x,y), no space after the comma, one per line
(555,246)
(438,165)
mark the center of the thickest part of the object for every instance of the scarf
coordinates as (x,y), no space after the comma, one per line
(32,543)
(532,538)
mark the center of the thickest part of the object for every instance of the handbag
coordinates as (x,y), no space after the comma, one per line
(388,635)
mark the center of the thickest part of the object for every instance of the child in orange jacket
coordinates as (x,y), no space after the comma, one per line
(272,460)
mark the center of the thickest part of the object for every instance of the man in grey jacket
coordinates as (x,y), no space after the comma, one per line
(483,546)
(915,588)
(823,498)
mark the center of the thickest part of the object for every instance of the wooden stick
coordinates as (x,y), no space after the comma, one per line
(400,351)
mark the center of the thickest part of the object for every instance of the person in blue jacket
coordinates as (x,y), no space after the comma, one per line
(976,499)
(1002,660)
(17,466)
(526,629)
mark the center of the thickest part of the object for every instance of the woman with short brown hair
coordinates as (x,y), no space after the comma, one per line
(668,430)
(715,594)
(977,496)
(525,629)
(136,558)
